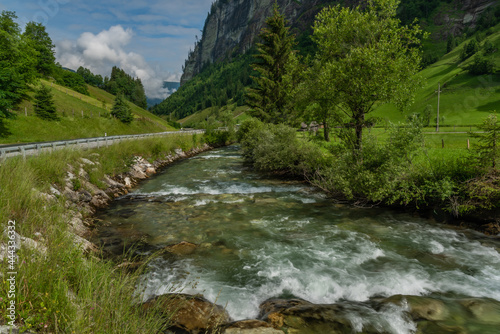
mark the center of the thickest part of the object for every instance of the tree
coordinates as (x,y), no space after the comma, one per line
(481,65)
(489,141)
(42,43)
(314,95)
(268,98)
(44,104)
(469,49)
(17,64)
(121,110)
(366,57)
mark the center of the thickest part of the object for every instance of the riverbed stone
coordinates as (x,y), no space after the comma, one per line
(251,327)
(485,310)
(84,196)
(182,248)
(421,308)
(192,314)
(302,317)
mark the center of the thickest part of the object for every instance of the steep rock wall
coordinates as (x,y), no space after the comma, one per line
(233,25)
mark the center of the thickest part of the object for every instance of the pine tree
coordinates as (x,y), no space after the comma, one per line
(489,141)
(44,104)
(121,110)
(268,99)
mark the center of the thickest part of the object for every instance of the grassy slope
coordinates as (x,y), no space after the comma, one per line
(465,99)
(70,105)
(197,118)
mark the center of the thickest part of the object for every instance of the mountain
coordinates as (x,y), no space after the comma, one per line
(232,27)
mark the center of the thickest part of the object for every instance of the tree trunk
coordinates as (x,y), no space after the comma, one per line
(359,122)
(326,131)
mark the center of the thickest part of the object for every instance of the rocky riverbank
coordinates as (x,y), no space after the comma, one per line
(84,197)
(194,314)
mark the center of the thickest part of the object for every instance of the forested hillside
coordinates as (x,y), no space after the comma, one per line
(41,101)
(448,22)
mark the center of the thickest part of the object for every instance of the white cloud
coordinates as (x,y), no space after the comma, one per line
(102,51)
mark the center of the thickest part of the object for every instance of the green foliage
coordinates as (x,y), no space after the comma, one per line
(481,65)
(410,10)
(267,99)
(121,110)
(488,149)
(450,43)
(18,61)
(42,43)
(90,78)
(122,83)
(469,50)
(70,79)
(217,85)
(61,289)
(44,104)
(215,136)
(489,18)
(361,55)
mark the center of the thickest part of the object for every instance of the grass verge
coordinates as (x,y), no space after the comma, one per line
(58,288)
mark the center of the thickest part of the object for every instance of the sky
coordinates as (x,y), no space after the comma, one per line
(149,39)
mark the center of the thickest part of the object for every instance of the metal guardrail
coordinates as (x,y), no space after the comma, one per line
(96,142)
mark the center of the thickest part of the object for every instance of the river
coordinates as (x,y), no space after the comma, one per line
(260,237)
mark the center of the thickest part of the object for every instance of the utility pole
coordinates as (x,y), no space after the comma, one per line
(437,118)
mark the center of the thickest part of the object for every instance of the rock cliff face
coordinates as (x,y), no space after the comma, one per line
(233,25)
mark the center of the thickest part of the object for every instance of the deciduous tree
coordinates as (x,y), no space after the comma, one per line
(366,57)
(42,43)
(17,64)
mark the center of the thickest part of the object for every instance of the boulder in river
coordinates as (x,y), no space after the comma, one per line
(485,310)
(251,327)
(301,316)
(191,314)
(182,248)
(421,308)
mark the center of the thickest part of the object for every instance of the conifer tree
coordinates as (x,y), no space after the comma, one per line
(44,104)
(121,110)
(268,98)
(489,141)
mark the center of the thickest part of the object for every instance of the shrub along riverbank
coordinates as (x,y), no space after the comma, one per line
(397,171)
(58,288)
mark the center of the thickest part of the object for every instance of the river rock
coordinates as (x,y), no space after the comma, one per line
(182,248)
(77,226)
(191,314)
(71,195)
(84,196)
(251,327)
(302,317)
(485,310)
(421,308)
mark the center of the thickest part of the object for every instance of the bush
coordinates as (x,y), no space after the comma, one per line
(481,65)
(469,50)
(121,110)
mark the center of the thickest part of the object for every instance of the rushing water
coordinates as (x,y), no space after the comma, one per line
(261,237)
